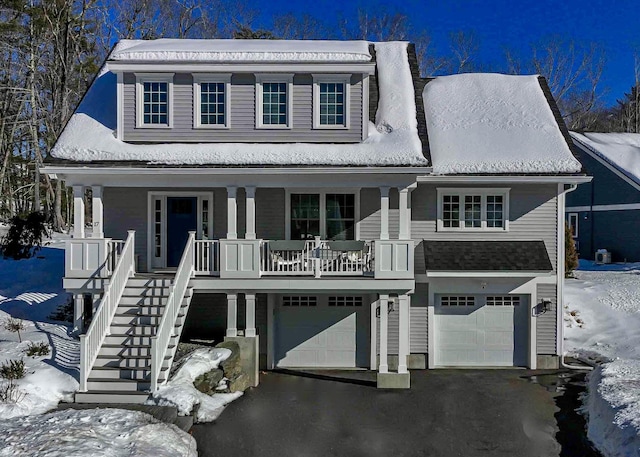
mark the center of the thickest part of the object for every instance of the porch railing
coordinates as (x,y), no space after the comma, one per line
(92,340)
(160,342)
(114,251)
(207,257)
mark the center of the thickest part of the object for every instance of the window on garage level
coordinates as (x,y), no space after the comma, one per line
(504,300)
(458,300)
(472,209)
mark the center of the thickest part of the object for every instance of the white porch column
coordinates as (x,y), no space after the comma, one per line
(232,315)
(97,212)
(384,213)
(232,213)
(250,314)
(374,334)
(405,213)
(383,302)
(250,207)
(78,211)
(78,313)
(403,333)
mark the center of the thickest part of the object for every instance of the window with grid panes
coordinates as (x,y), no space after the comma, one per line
(451,210)
(155,104)
(495,211)
(472,211)
(212,103)
(456,300)
(305,216)
(274,104)
(340,216)
(332,103)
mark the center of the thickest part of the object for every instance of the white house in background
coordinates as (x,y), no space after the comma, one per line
(319,203)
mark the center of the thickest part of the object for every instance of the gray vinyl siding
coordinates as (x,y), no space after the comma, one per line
(370,214)
(419,341)
(242,117)
(546,325)
(532,216)
(270,214)
(126,209)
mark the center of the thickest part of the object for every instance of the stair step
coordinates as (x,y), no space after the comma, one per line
(109,397)
(120,385)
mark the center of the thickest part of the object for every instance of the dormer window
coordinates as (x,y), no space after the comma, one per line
(274,101)
(211,100)
(154,95)
(331,101)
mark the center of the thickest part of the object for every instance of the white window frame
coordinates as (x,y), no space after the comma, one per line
(323,209)
(483,192)
(198,79)
(344,79)
(141,78)
(575,216)
(274,78)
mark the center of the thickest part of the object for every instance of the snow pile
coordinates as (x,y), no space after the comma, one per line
(177,50)
(180,392)
(31,290)
(394,140)
(620,149)
(606,302)
(95,433)
(492,123)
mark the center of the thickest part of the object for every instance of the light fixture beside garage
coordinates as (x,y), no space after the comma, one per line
(392,305)
(545,305)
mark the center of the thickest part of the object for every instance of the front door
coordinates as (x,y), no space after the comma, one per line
(182,217)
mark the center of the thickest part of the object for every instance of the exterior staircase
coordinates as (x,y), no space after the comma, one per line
(122,370)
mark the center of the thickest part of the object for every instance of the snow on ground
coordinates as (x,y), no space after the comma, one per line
(393,140)
(180,392)
(620,149)
(492,123)
(31,290)
(602,321)
(95,433)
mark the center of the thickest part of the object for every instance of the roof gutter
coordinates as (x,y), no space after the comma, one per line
(498,179)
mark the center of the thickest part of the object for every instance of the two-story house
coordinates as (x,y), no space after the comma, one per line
(319,203)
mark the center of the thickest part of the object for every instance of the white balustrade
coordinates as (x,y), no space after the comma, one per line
(207,257)
(91,341)
(160,342)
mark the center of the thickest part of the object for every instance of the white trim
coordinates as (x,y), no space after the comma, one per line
(262,78)
(153,77)
(162,195)
(120,106)
(560,269)
(620,207)
(323,216)
(486,274)
(331,78)
(365,107)
(465,179)
(271,301)
(368,68)
(575,216)
(595,155)
(483,193)
(198,79)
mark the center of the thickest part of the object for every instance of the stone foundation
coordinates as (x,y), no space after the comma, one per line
(249,356)
(547,362)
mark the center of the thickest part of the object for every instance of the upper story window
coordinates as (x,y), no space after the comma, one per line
(274,101)
(330,216)
(473,209)
(331,101)
(211,100)
(154,95)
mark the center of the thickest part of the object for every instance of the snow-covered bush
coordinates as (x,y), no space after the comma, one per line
(14,369)
(25,236)
(38,349)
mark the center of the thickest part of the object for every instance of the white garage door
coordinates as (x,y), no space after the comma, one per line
(478,330)
(317,331)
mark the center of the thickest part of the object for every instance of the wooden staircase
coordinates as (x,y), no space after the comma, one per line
(122,370)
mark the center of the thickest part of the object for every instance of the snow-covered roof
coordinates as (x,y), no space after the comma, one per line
(622,150)
(392,140)
(177,50)
(492,123)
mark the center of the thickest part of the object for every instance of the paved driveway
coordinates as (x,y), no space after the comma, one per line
(446,413)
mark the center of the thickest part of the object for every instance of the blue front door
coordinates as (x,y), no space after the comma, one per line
(182,217)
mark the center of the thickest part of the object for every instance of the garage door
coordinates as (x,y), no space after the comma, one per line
(318,331)
(478,330)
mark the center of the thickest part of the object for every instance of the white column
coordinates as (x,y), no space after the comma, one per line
(97,212)
(250,314)
(384,213)
(383,302)
(251,213)
(405,215)
(403,333)
(78,313)
(232,213)
(78,211)
(232,315)
(374,334)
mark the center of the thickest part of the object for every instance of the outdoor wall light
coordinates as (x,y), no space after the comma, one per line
(545,304)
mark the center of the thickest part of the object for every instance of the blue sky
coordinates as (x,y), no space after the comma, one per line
(497,24)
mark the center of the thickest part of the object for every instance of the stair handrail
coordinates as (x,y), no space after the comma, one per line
(92,340)
(160,342)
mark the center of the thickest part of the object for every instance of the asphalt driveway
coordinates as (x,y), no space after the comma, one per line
(445,413)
